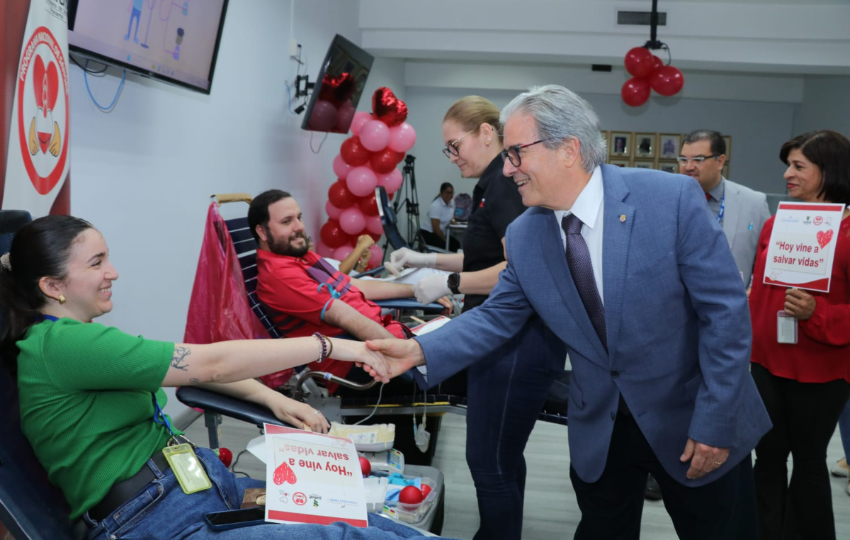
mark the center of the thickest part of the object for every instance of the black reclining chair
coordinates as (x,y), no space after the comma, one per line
(30,506)
(216,405)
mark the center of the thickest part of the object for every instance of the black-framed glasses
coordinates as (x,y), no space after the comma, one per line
(451,148)
(511,153)
(683,160)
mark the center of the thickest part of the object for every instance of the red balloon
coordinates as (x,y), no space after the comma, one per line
(374,236)
(225,455)
(635,92)
(365,467)
(667,80)
(368,205)
(353,153)
(339,195)
(410,495)
(639,62)
(332,234)
(388,108)
(657,63)
(384,161)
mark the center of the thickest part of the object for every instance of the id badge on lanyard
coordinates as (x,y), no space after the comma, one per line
(786,328)
(181,457)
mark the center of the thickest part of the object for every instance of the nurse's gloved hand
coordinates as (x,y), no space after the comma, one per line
(431,288)
(404,257)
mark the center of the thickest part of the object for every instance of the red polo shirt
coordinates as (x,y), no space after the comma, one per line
(298,290)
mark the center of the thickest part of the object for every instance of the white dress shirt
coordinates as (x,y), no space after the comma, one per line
(589,209)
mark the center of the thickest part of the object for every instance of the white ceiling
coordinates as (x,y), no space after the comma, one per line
(751,36)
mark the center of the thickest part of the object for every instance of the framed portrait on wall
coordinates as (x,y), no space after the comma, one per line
(619,162)
(726,170)
(620,144)
(668,146)
(641,164)
(668,166)
(728,140)
(645,145)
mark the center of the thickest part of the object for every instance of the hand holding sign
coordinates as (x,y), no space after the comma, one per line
(799,304)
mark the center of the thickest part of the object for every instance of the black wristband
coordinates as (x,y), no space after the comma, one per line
(453,283)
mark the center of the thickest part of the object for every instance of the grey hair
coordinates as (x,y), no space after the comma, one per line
(560,114)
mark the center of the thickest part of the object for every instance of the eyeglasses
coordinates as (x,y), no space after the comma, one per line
(511,153)
(696,159)
(451,148)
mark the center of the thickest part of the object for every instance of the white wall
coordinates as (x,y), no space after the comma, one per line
(826,105)
(143,173)
(757,129)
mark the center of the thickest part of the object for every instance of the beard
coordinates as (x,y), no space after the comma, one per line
(280,246)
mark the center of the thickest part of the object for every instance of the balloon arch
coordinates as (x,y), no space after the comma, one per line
(367,159)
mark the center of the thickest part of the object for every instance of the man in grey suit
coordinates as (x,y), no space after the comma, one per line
(650,304)
(740,210)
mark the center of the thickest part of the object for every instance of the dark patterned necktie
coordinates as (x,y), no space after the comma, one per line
(578,259)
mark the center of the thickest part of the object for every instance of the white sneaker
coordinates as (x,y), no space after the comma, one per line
(841,468)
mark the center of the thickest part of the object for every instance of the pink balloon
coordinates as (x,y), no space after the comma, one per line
(324,251)
(374,225)
(341,253)
(332,211)
(323,116)
(358,121)
(391,181)
(377,256)
(361,181)
(402,137)
(352,221)
(341,168)
(344,116)
(374,135)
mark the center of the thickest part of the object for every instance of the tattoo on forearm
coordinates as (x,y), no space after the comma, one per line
(178,360)
(195,381)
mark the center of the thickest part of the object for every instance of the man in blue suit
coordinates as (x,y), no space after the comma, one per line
(625,268)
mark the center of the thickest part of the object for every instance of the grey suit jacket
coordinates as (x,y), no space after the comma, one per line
(744,215)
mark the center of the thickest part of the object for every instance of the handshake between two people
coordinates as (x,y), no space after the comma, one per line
(382,359)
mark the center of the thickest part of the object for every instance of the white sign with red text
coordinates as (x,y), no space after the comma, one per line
(802,245)
(312,478)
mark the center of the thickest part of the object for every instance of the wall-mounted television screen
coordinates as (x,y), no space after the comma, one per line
(175,41)
(338,88)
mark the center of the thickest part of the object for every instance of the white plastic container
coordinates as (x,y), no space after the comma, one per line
(412,513)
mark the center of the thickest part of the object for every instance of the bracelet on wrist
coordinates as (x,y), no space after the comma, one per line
(323,347)
(331,348)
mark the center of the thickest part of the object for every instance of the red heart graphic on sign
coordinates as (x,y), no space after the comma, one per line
(388,108)
(45,85)
(824,237)
(284,474)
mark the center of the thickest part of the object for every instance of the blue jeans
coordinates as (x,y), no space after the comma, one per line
(844,429)
(161,510)
(505,397)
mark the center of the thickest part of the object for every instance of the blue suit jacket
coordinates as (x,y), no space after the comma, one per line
(676,315)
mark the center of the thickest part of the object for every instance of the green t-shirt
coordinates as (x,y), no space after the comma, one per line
(86,406)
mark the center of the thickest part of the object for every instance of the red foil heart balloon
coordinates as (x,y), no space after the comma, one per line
(388,108)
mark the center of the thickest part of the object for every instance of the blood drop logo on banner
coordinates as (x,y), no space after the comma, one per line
(37,164)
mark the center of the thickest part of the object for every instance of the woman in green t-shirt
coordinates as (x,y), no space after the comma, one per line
(89,393)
